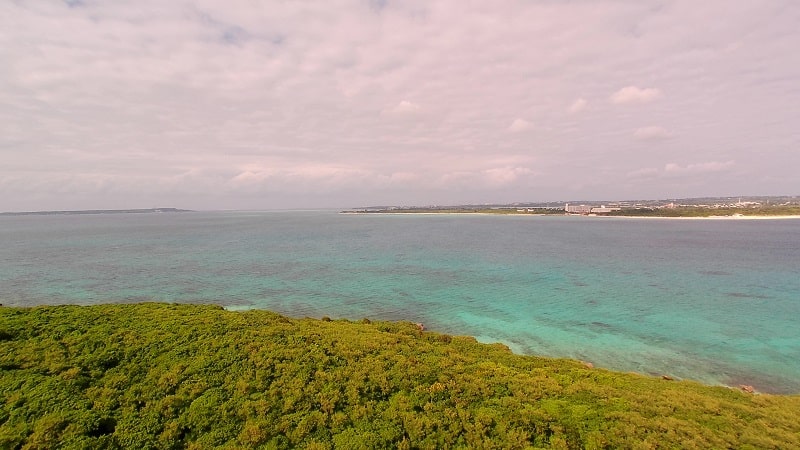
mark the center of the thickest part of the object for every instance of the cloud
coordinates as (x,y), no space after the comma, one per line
(519,125)
(578,106)
(635,95)
(132,104)
(404,108)
(652,133)
(316,179)
(502,176)
(489,179)
(673,169)
(647,172)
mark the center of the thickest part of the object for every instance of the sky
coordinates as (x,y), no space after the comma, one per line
(250,104)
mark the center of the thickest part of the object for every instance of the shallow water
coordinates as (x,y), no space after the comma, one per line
(711,300)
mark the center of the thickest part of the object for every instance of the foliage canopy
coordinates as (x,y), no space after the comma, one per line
(166,376)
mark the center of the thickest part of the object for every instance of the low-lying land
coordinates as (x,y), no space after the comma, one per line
(164,376)
(693,211)
(684,211)
(457,210)
(85,212)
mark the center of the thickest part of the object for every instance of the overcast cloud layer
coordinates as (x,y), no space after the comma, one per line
(243,104)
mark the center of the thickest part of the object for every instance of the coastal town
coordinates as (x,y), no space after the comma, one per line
(692,207)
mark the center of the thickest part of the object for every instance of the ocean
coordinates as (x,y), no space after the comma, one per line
(715,301)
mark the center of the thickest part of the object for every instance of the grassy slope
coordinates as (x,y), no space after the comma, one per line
(178,376)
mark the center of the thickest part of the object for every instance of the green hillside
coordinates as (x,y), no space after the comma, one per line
(167,376)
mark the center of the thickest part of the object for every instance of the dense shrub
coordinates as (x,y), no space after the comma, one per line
(167,376)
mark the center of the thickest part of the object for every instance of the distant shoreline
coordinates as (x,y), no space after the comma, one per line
(592,216)
(95,211)
(778,207)
(764,217)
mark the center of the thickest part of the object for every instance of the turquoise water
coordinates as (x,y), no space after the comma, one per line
(710,300)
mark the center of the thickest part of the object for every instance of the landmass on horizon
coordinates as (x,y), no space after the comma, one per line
(95,211)
(691,207)
(688,207)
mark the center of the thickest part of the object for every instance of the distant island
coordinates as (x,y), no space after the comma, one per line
(693,207)
(95,211)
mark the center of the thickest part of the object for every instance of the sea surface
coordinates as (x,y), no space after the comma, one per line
(717,301)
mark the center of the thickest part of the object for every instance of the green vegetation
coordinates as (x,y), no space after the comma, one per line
(463,210)
(681,211)
(162,376)
(698,211)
